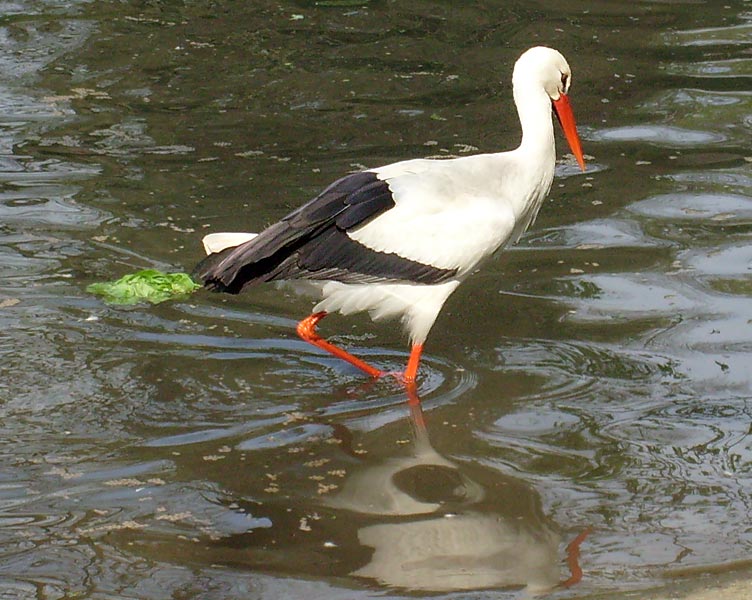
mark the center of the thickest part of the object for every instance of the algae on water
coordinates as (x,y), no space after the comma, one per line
(148,285)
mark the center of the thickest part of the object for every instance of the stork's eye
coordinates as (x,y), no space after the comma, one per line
(564,80)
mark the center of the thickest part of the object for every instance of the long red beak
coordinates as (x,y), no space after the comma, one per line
(564,113)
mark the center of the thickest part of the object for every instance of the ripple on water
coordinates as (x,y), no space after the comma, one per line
(199,418)
(630,296)
(660,135)
(688,450)
(739,34)
(559,428)
(734,68)
(569,369)
(254,386)
(587,236)
(720,181)
(705,206)
(35,45)
(693,109)
(652,436)
(728,261)
(52,205)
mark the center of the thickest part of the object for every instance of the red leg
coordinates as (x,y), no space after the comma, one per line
(307,331)
(411,371)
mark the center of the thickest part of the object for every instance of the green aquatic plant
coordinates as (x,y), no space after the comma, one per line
(148,285)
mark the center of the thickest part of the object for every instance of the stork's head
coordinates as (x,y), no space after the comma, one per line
(542,67)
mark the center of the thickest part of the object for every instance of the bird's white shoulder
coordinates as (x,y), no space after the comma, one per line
(404,167)
(447,213)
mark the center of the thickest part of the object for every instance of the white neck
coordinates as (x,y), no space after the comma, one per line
(534,110)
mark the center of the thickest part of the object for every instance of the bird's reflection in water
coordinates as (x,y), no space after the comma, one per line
(443,525)
(417,521)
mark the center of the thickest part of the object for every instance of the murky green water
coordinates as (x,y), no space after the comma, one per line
(596,377)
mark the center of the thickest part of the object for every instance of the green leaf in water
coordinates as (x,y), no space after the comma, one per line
(148,285)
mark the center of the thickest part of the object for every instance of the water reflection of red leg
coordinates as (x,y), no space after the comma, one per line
(307,331)
(416,411)
(573,559)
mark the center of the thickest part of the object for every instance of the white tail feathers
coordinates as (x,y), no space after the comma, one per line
(216,242)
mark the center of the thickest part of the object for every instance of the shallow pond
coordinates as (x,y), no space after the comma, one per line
(586,396)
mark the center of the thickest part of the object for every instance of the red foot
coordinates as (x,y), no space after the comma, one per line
(307,327)
(307,331)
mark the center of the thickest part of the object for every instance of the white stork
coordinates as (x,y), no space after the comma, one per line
(397,240)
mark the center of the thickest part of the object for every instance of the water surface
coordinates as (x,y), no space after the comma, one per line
(594,380)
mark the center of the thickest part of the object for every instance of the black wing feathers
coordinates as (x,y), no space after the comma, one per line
(312,243)
(338,197)
(359,264)
(365,203)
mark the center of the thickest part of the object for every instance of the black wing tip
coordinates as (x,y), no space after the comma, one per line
(216,277)
(205,272)
(217,286)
